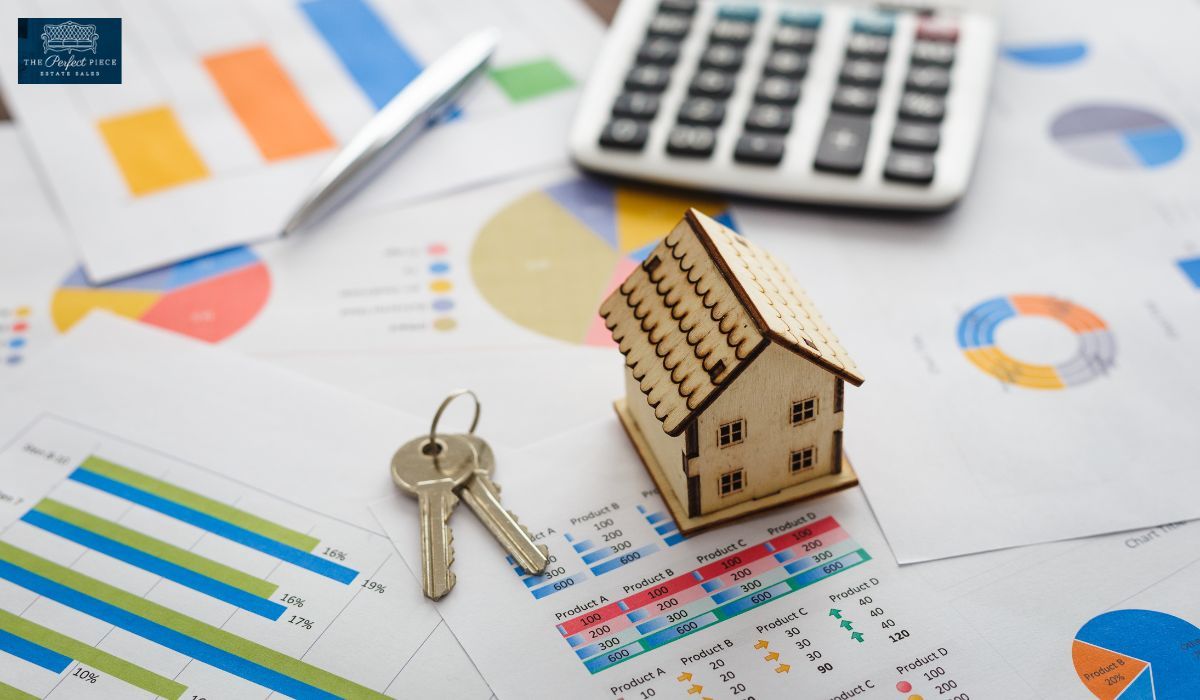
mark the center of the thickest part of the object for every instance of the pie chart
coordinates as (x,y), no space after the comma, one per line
(209,298)
(546,260)
(1138,655)
(1118,136)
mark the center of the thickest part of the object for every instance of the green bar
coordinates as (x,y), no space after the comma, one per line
(205,505)
(91,656)
(7,692)
(246,649)
(525,81)
(158,548)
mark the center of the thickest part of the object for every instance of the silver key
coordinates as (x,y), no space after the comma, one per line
(483,496)
(431,475)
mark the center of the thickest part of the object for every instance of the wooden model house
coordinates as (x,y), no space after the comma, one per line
(734,384)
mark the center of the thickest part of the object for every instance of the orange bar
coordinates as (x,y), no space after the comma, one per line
(267,103)
(151,150)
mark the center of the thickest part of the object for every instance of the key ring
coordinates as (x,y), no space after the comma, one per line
(446,402)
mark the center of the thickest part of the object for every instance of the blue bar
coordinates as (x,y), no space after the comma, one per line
(642,509)
(755,599)
(671,634)
(783,556)
(163,636)
(623,606)
(656,517)
(656,623)
(539,593)
(665,528)
(674,540)
(184,577)
(279,550)
(639,614)
(367,48)
(727,594)
(33,653)
(583,546)
(619,561)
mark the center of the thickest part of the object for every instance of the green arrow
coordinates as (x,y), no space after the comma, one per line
(846,624)
(856,636)
(834,612)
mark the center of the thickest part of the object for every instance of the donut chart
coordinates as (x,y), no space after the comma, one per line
(1118,136)
(208,298)
(1138,655)
(547,260)
(1094,355)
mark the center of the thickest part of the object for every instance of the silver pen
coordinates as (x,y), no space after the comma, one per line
(397,124)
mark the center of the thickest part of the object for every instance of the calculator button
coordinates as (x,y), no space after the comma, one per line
(759,148)
(808,19)
(867,46)
(660,51)
(670,25)
(863,73)
(904,166)
(625,134)
(772,119)
(787,64)
(636,105)
(921,107)
(647,78)
(712,83)
(730,31)
(701,111)
(932,53)
(854,100)
(928,79)
(740,13)
(795,38)
(695,141)
(776,90)
(937,29)
(916,137)
(686,7)
(843,144)
(879,25)
(722,57)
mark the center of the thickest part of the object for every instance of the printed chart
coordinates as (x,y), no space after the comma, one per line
(1118,136)
(209,298)
(1138,655)
(147,575)
(14,334)
(1094,356)
(1047,55)
(547,260)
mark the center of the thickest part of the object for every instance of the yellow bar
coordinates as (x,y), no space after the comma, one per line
(151,150)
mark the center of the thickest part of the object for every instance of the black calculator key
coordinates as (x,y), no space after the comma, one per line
(669,25)
(636,105)
(795,38)
(660,51)
(905,166)
(625,134)
(843,144)
(759,148)
(916,137)
(731,31)
(787,64)
(870,46)
(701,111)
(713,83)
(647,78)
(932,79)
(772,119)
(854,100)
(722,57)
(860,72)
(921,107)
(695,141)
(932,53)
(777,90)
(686,7)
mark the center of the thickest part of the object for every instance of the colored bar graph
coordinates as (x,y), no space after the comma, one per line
(267,103)
(66,648)
(33,653)
(526,81)
(151,150)
(373,56)
(148,562)
(623,560)
(174,630)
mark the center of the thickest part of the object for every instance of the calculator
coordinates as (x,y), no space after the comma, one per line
(835,104)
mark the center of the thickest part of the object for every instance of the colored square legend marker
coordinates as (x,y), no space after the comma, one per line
(526,81)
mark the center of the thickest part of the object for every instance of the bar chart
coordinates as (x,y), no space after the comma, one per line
(128,573)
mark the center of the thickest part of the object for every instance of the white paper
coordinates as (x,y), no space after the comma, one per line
(244,190)
(250,437)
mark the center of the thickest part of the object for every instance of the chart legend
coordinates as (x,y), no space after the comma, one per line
(1118,136)
(14,334)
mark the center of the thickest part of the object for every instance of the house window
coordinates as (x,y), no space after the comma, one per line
(732,482)
(804,459)
(804,411)
(731,433)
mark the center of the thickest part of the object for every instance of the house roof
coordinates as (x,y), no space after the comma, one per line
(698,310)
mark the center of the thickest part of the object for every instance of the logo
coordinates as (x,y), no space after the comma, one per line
(77,50)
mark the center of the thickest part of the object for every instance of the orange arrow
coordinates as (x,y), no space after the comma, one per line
(684,677)
(782,668)
(773,656)
(695,689)
(762,644)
